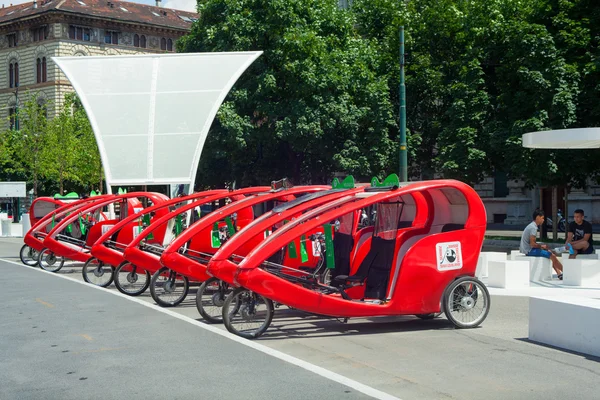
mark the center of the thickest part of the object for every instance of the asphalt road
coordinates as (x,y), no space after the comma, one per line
(131,345)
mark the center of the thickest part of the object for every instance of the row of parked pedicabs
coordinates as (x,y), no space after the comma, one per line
(254,249)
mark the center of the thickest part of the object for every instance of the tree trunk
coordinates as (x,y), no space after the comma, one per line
(543,230)
(554,213)
(566,211)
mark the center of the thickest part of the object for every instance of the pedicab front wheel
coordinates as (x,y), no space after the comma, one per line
(210,299)
(168,288)
(29,256)
(49,261)
(131,279)
(466,302)
(97,273)
(247,314)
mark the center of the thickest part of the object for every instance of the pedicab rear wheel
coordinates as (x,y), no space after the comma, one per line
(210,299)
(49,261)
(131,279)
(247,314)
(97,273)
(466,302)
(168,288)
(29,256)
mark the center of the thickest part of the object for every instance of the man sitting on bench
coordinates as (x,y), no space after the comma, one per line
(579,236)
(531,248)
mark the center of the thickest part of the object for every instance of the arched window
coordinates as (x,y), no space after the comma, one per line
(143,41)
(136,40)
(12,115)
(40,64)
(13,74)
(169,45)
(163,44)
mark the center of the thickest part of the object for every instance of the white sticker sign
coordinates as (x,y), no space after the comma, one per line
(448,256)
(136,231)
(106,228)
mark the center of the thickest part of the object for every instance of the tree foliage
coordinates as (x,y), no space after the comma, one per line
(57,155)
(311,105)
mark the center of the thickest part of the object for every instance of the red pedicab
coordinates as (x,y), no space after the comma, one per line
(420,270)
(73,237)
(167,287)
(109,248)
(190,253)
(34,238)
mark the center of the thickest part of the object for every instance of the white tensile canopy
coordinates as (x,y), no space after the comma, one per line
(151,113)
(582,138)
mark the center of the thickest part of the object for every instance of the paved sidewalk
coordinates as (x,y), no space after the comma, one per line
(403,356)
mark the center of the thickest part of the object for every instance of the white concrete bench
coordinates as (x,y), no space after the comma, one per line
(484,258)
(572,323)
(540,268)
(565,256)
(578,272)
(515,253)
(508,274)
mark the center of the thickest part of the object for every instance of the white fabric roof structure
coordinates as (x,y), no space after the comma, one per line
(151,113)
(582,138)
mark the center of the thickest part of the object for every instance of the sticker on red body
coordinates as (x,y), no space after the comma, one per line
(448,256)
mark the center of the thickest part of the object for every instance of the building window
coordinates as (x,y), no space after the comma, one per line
(136,40)
(143,41)
(79,33)
(12,40)
(111,37)
(163,44)
(12,115)
(40,33)
(13,74)
(169,45)
(41,69)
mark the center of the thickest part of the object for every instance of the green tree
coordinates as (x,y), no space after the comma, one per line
(26,145)
(311,105)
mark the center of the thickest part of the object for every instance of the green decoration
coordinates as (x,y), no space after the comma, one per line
(122,191)
(214,236)
(67,196)
(392,180)
(178,225)
(293,253)
(303,252)
(328,229)
(146,223)
(53,214)
(347,183)
(69,228)
(267,233)
(81,225)
(230,227)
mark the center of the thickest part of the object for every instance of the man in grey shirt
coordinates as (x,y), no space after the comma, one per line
(531,248)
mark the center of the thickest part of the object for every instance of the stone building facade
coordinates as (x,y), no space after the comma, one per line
(33,32)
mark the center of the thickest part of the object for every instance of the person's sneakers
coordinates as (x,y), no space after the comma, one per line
(560,249)
(560,277)
(570,248)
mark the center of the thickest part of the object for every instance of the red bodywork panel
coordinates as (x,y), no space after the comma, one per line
(199,236)
(34,238)
(125,229)
(151,262)
(449,215)
(81,251)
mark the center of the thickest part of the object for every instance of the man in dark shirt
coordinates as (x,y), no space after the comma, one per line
(580,235)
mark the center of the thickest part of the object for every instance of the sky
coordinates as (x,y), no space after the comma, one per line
(186,5)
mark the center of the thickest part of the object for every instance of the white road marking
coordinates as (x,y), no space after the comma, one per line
(360,387)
